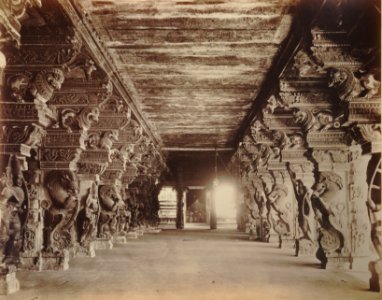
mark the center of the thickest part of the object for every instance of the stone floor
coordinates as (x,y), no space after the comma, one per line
(194,264)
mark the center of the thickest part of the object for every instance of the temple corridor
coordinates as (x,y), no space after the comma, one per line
(195,264)
(190,149)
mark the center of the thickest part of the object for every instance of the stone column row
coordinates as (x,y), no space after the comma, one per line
(305,163)
(70,149)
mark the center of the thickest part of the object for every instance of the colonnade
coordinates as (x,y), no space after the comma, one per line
(310,163)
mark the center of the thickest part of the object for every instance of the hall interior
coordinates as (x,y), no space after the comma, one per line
(159,149)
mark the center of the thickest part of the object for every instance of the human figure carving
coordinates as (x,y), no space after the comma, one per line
(279,213)
(305,216)
(89,216)
(330,238)
(261,201)
(111,203)
(13,206)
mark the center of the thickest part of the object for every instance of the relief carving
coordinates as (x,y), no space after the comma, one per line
(329,210)
(348,86)
(61,210)
(304,66)
(374,207)
(103,140)
(273,104)
(306,238)
(111,203)
(87,221)
(364,133)
(18,86)
(280,210)
(46,83)
(40,54)
(317,120)
(72,119)
(14,205)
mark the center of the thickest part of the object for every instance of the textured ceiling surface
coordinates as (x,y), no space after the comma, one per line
(193,67)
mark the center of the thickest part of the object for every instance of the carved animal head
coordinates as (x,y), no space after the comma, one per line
(109,197)
(18,85)
(93,115)
(61,187)
(324,118)
(300,116)
(55,78)
(88,116)
(337,77)
(326,181)
(296,141)
(93,140)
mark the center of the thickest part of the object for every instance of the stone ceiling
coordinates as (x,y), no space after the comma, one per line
(192,67)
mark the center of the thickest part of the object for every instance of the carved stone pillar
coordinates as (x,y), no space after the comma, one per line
(294,168)
(302,177)
(88,216)
(351,78)
(375,214)
(23,118)
(250,183)
(337,200)
(288,145)
(14,203)
(61,205)
(306,97)
(61,150)
(33,233)
(111,203)
(283,207)
(365,114)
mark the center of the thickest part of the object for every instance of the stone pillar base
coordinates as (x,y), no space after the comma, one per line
(132,235)
(272,238)
(253,235)
(119,239)
(337,262)
(84,251)
(153,230)
(305,247)
(31,261)
(375,268)
(287,243)
(103,243)
(8,282)
(55,261)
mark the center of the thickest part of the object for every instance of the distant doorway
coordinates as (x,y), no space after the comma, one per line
(223,199)
(196,212)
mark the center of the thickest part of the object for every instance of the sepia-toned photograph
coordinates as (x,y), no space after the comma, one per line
(190,149)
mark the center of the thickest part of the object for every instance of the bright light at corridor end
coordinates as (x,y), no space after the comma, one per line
(224,196)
